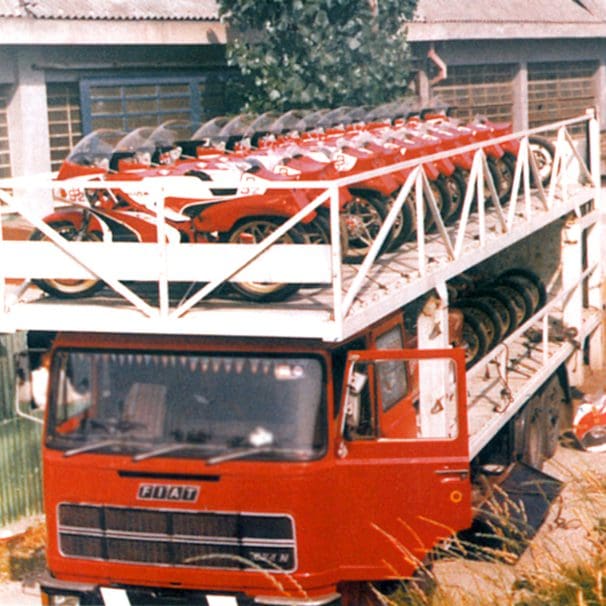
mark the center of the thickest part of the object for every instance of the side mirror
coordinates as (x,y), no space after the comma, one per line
(353,406)
(30,388)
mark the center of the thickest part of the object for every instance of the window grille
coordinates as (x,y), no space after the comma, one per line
(64,122)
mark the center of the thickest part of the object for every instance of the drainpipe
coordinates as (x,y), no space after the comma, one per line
(432,55)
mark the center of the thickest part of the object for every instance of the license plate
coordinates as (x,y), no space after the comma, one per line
(221,600)
(114,597)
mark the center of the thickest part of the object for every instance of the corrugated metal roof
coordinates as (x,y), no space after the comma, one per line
(509,11)
(190,10)
(465,19)
(10,8)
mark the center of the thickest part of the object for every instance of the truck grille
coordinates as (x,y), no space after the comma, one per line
(177,538)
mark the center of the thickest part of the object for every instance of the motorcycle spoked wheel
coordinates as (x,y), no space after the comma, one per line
(442,197)
(64,288)
(506,167)
(404,224)
(501,171)
(543,151)
(363,217)
(253,231)
(318,231)
(457,187)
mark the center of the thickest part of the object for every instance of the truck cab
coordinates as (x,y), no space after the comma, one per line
(287,469)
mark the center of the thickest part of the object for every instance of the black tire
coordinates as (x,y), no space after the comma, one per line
(318,230)
(257,229)
(69,289)
(475,340)
(502,306)
(543,152)
(518,301)
(532,282)
(442,198)
(363,215)
(507,167)
(526,291)
(531,425)
(404,226)
(486,315)
(502,177)
(457,187)
(552,400)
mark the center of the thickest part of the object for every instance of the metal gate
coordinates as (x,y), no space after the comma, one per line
(20,456)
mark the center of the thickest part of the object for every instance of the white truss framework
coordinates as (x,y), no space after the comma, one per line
(335,300)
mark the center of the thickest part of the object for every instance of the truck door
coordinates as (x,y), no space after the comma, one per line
(402,456)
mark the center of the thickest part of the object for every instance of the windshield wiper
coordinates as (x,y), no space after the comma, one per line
(240,453)
(156,452)
(88,447)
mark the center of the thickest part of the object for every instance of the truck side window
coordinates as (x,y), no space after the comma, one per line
(391,375)
(399,418)
(360,420)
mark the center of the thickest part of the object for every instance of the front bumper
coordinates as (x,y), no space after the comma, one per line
(61,593)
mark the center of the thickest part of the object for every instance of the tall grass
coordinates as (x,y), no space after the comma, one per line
(564,566)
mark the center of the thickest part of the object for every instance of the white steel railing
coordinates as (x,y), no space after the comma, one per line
(268,261)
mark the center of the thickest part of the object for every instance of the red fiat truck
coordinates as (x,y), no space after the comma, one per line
(249,471)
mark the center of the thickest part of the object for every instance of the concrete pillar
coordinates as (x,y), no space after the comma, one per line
(28,131)
(520,97)
(600,93)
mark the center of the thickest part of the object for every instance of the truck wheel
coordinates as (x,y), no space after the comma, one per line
(252,231)
(552,404)
(531,424)
(69,289)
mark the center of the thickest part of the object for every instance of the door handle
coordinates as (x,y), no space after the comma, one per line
(463,473)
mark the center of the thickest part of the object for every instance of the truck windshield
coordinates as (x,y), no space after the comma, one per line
(217,407)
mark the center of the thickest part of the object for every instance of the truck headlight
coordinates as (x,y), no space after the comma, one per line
(59,600)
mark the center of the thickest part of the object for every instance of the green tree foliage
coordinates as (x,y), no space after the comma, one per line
(318,53)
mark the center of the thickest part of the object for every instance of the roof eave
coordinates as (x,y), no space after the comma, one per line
(437,31)
(104,32)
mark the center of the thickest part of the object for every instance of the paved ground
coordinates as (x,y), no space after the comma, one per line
(565,535)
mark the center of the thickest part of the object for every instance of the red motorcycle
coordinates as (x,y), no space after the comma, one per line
(194,211)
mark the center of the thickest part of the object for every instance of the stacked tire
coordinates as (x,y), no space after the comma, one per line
(493,309)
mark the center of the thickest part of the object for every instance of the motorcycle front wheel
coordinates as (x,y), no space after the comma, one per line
(363,217)
(253,231)
(66,288)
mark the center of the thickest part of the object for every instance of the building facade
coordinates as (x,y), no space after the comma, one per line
(70,66)
(531,63)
